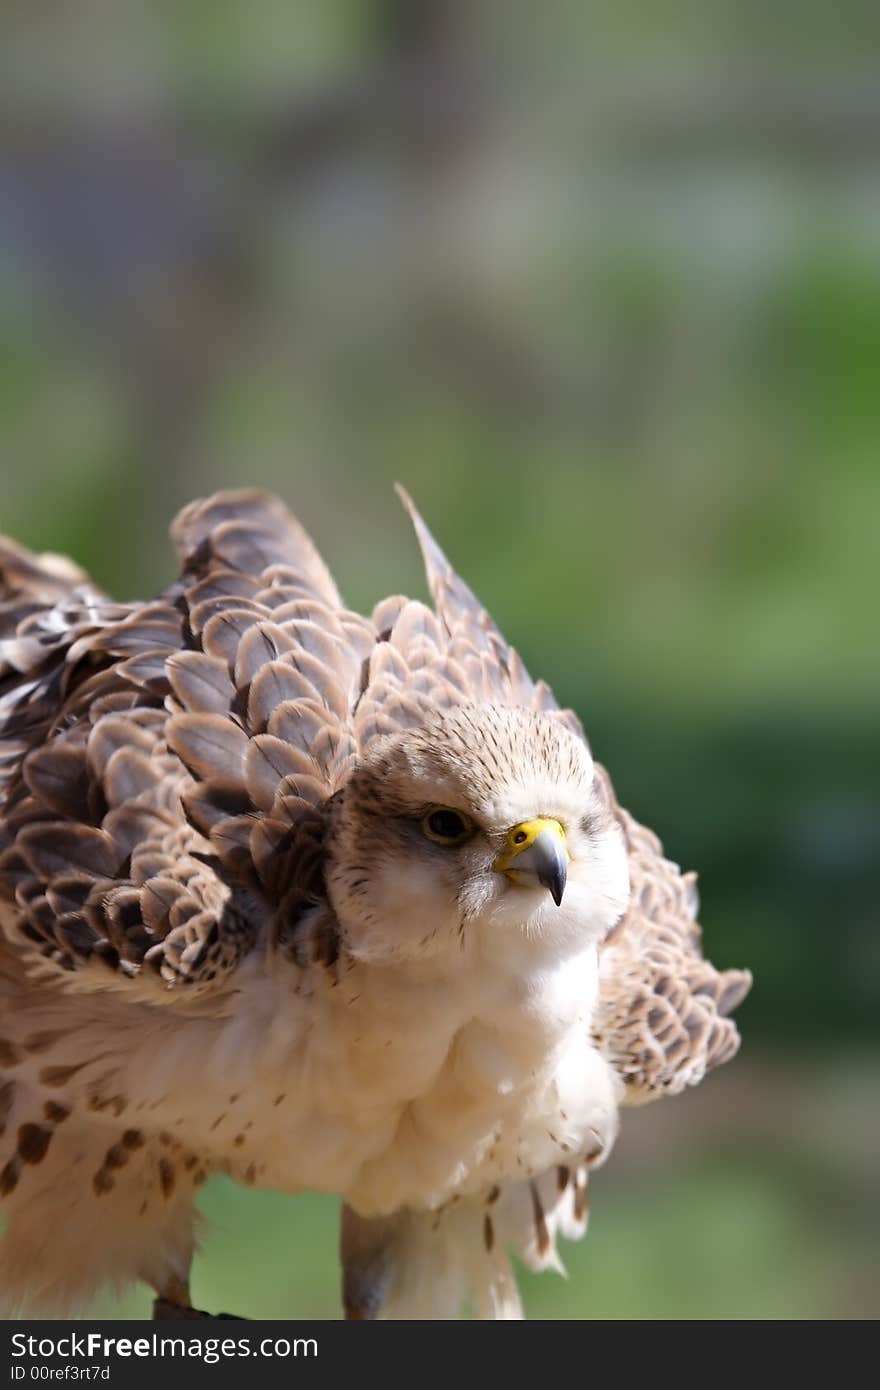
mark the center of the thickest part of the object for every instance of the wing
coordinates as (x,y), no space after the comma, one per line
(166,764)
(662,1018)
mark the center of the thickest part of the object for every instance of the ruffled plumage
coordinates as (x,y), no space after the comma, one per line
(167,774)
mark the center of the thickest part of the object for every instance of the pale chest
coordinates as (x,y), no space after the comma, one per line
(415,1094)
(385,1090)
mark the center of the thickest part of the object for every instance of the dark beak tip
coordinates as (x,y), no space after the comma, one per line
(555,884)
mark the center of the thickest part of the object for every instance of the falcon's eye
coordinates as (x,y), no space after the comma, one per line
(446,827)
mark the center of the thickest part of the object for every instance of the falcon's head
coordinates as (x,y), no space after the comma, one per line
(484,826)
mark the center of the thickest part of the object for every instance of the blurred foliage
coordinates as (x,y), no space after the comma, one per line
(604,292)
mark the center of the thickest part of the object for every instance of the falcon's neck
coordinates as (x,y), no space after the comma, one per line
(402,1019)
(497,1061)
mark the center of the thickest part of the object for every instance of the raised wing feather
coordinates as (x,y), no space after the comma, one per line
(251,532)
(160,787)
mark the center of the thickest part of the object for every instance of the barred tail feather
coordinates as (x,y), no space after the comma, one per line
(428,1265)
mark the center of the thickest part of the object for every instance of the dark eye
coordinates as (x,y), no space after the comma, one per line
(445,826)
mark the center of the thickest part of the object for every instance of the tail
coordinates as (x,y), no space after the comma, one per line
(421,1265)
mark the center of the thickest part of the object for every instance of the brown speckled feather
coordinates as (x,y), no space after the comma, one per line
(111,714)
(662,1014)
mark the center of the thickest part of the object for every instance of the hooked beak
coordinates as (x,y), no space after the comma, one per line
(536,851)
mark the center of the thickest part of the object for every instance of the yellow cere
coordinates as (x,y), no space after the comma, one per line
(521,836)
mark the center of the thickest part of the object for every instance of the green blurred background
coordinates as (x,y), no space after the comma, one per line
(601,285)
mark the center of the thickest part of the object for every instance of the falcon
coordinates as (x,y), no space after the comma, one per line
(320,902)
